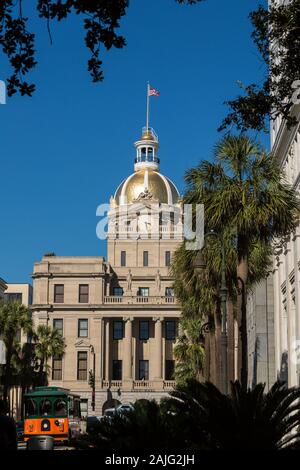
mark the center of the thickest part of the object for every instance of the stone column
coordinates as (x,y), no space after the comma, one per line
(101,355)
(127,353)
(291,321)
(157,353)
(297,294)
(107,359)
(277,306)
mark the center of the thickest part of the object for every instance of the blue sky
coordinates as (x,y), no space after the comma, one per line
(65,150)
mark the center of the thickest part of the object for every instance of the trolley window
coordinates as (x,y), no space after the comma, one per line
(45,407)
(30,407)
(60,408)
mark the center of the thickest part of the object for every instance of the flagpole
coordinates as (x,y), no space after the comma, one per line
(147,117)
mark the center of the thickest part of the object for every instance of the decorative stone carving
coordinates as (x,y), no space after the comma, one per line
(129,280)
(144,195)
(158,281)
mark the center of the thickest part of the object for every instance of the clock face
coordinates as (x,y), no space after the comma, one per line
(144,223)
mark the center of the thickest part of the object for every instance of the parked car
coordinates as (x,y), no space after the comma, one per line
(109,412)
(124,408)
(92,424)
(20,430)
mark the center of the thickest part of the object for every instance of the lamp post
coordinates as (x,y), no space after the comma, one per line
(199,265)
(92,378)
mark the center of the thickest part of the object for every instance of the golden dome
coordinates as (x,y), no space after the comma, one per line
(148,135)
(161,189)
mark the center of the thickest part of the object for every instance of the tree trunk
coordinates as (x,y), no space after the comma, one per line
(218,347)
(207,359)
(7,373)
(212,362)
(22,401)
(230,332)
(41,369)
(242,276)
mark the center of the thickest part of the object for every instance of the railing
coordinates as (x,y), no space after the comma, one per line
(140,385)
(133,230)
(169,384)
(112,383)
(139,299)
(146,158)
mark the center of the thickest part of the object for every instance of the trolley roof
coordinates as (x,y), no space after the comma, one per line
(50,392)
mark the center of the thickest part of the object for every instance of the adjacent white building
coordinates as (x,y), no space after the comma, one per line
(286,149)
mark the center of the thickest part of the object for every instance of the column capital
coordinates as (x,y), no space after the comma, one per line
(128,319)
(158,319)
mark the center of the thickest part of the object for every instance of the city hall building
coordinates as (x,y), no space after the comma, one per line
(118,316)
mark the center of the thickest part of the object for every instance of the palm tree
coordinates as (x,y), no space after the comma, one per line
(189,351)
(247,419)
(24,364)
(13,317)
(199,293)
(244,189)
(48,343)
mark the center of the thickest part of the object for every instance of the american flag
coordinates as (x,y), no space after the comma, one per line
(153,92)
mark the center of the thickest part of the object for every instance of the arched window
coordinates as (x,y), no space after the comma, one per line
(143,154)
(150,154)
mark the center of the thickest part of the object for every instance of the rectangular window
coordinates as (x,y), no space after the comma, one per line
(123,258)
(59,293)
(58,324)
(82,365)
(170,329)
(143,291)
(169,292)
(168,258)
(118,291)
(83,328)
(144,329)
(143,370)
(57,368)
(83,293)
(118,329)
(169,372)
(117,370)
(145,258)
(13,297)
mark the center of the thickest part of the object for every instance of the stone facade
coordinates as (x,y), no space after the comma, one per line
(21,293)
(3,287)
(286,149)
(119,317)
(260,330)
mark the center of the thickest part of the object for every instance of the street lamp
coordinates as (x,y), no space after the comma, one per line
(199,265)
(92,377)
